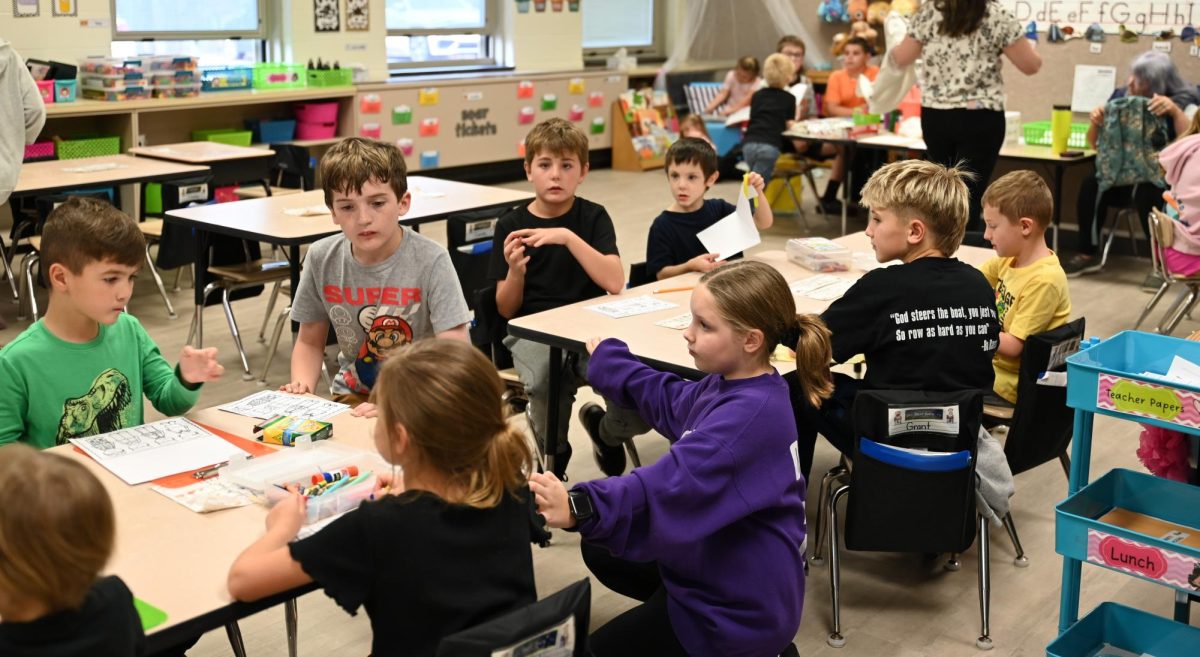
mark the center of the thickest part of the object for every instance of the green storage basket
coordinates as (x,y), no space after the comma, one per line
(341,77)
(1037,133)
(71,149)
(280,76)
(230,136)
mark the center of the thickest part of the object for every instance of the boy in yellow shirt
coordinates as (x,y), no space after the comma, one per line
(1030,284)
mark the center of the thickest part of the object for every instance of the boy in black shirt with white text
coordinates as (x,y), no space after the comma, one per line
(927,324)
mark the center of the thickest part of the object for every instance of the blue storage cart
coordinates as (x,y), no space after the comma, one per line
(1116,521)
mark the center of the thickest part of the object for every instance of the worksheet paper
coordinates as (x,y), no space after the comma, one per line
(1093,86)
(812,283)
(632,306)
(678,322)
(159,449)
(269,403)
(736,232)
(832,291)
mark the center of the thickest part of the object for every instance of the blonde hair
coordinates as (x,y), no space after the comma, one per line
(558,137)
(1194,128)
(351,162)
(1021,194)
(778,70)
(57,527)
(748,64)
(446,394)
(928,192)
(696,123)
(753,295)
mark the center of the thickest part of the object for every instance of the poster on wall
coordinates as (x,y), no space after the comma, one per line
(326,17)
(25,8)
(1143,16)
(358,17)
(63,7)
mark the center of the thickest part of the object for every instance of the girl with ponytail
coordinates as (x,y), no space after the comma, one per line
(446,545)
(710,538)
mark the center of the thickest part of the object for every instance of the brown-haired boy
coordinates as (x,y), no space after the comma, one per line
(557,250)
(927,324)
(1030,284)
(381,285)
(53,546)
(82,369)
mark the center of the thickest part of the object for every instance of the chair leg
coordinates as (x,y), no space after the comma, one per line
(1194,294)
(835,638)
(325,376)
(1130,225)
(1181,306)
(631,450)
(953,564)
(984,642)
(235,639)
(279,322)
(1108,241)
(818,558)
(29,283)
(1065,461)
(1158,295)
(1021,561)
(796,201)
(237,338)
(158,281)
(262,331)
(291,618)
(197,328)
(812,184)
(8,273)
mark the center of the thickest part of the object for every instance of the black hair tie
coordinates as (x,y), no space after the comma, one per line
(791,336)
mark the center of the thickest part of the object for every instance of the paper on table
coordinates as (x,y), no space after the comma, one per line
(307,211)
(806,285)
(417,191)
(632,306)
(739,117)
(150,451)
(89,168)
(831,291)
(208,495)
(735,233)
(1093,86)
(269,403)
(678,322)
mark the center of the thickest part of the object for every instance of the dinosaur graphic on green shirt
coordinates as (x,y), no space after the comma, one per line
(101,410)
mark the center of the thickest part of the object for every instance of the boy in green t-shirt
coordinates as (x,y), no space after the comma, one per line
(1030,284)
(82,369)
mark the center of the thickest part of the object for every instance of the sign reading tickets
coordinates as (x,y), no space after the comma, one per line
(1155,564)
(1137,15)
(1150,400)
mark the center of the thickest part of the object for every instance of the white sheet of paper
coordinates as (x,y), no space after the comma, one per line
(1184,371)
(806,285)
(269,403)
(831,291)
(307,211)
(799,90)
(631,306)
(733,234)
(1093,86)
(159,449)
(90,168)
(209,495)
(678,322)
(894,140)
(739,117)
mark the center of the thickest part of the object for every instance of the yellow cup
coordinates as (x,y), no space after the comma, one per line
(1060,128)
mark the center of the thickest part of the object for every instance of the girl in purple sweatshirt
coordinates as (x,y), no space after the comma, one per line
(711,536)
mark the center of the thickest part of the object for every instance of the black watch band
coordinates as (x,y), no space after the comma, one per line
(579,501)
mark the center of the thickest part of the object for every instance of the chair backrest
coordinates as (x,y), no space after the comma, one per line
(557,624)
(1162,235)
(638,275)
(700,94)
(912,487)
(293,166)
(469,241)
(47,203)
(490,327)
(1042,422)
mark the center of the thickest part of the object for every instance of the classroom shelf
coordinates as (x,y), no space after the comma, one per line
(1129,629)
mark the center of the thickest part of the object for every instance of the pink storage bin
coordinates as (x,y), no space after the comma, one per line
(46,88)
(42,150)
(306,130)
(317,112)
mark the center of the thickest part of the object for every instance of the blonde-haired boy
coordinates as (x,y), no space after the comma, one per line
(1030,284)
(772,110)
(926,324)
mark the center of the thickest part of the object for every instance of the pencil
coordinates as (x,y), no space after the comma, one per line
(674,289)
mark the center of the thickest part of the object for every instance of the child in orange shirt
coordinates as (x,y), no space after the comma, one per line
(841,99)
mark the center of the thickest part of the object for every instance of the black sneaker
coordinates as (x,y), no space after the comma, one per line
(1080,264)
(831,206)
(561,459)
(610,460)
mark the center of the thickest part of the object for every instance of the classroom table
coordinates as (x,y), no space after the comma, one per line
(53,176)
(570,327)
(178,560)
(231,165)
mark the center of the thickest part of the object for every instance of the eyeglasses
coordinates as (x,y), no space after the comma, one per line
(794,54)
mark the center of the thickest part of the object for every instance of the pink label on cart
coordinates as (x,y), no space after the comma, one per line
(1150,400)
(1163,566)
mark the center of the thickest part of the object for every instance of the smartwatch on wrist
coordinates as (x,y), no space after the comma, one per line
(580,503)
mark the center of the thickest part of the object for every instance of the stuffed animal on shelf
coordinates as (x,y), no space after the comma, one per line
(833,11)
(905,7)
(859,27)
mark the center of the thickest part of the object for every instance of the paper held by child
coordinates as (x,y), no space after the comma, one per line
(158,449)
(736,232)
(631,306)
(270,403)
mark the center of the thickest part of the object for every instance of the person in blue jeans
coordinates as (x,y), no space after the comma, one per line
(772,110)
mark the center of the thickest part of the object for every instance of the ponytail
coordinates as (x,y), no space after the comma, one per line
(814,351)
(506,464)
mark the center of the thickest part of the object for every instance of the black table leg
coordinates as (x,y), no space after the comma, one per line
(294,265)
(553,400)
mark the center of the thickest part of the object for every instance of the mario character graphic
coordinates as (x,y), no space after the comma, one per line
(385,333)
(98,411)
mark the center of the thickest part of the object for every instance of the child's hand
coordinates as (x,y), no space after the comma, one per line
(514,253)
(592,343)
(365,409)
(536,237)
(199,365)
(386,484)
(551,497)
(703,263)
(287,516)
(296,388)
(756,181)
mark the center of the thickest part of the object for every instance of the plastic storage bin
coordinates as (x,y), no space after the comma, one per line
(315,130)
(1152,549)
(42,150)
(317,112)
(88,147)
(298,464)
(168,78)
(158,63)
(128,93)
(1037,133)
(819,254)
(111,66)
(1128,629)
(65,91)
(333,78)
(227,78)
(117,82)
(176,90)
(46,89)
(267,131)
(279,76)
(231,136)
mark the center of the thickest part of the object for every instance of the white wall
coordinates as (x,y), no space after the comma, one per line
(541,41)
(63,39)
(301,42)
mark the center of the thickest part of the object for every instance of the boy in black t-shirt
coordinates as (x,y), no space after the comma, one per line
(673,248)
(558,250)
(927,324)
(772,111)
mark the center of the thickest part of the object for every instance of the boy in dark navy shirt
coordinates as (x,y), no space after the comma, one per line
(673,248)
